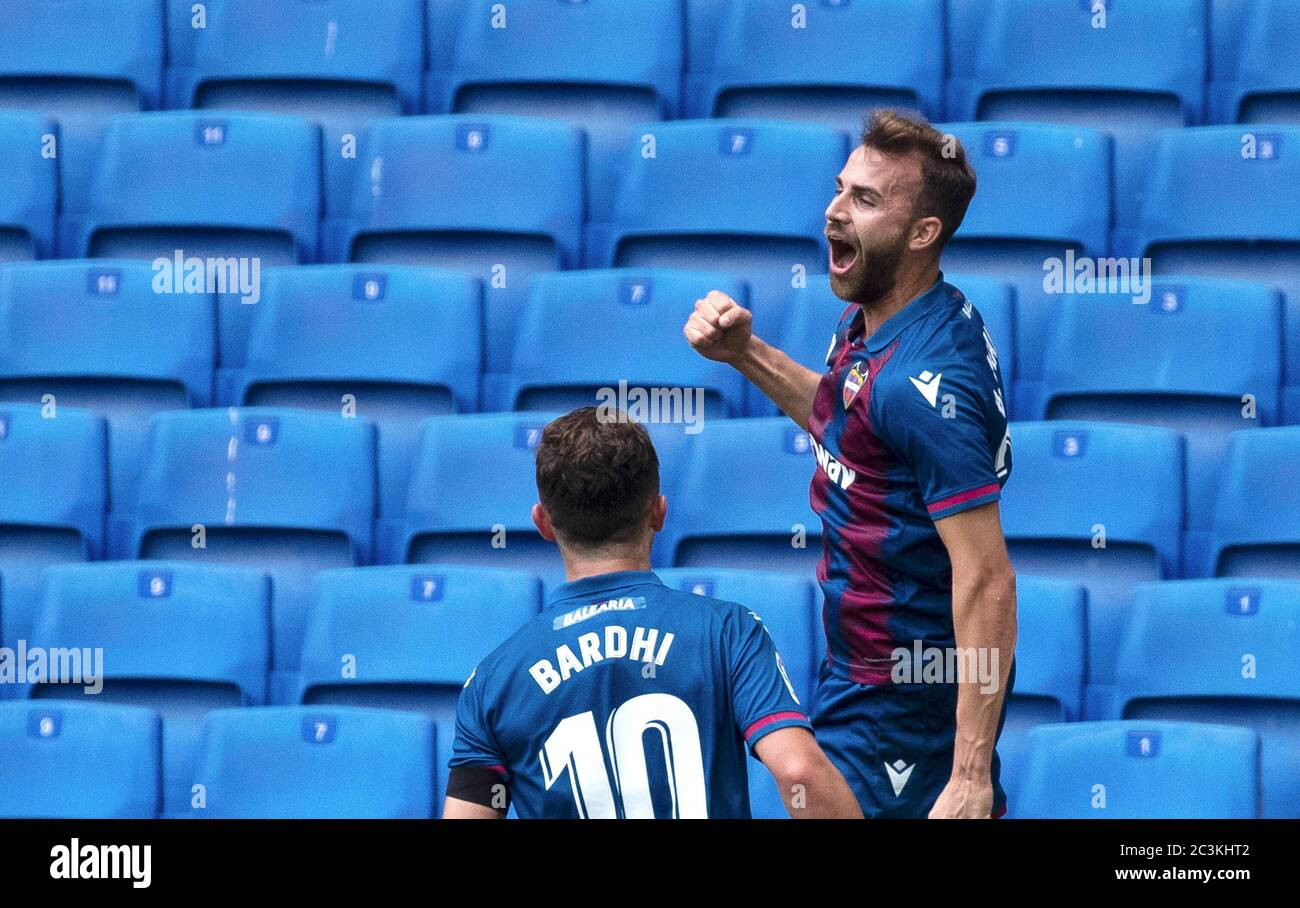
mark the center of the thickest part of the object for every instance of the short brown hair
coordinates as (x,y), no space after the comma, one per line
(596,477)
(947,180)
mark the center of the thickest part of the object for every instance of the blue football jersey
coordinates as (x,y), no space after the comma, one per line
(626,698)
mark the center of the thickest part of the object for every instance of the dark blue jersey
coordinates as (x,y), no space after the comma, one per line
(909,426)
(626,698)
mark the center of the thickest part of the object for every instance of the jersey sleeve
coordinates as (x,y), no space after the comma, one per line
(475,744)
(763,700)
(939,425)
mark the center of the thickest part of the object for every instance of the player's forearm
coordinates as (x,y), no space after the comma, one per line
(786,383)
(984,620)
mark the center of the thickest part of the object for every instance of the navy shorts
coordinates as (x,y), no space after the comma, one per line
(894,743)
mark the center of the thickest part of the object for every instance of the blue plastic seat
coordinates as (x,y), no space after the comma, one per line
(752,517)
(79,761)
(121,349)
(53,473)
(831,64)
(205,185)
(1051,661)
(402,217)
(471,495)
(790,609)
(1222,204)
(180,639)
(599,65)
(1129,70)
(29,187)
(288,492)
(411,637)
(338,63)
(692,204)
(1221,651)
(80,62)
(1256,530)
(557,368)
(1141,771)
(813,312)
(1254,73)
(1101,505)
(1166,365)
(394,345)
(313,762)
(1044,195)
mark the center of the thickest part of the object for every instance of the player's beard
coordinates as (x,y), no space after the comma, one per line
(874,273)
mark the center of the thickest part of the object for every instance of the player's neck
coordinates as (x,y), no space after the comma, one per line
(909,285)
(582,567)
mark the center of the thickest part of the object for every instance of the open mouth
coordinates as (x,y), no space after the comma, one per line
(843,256)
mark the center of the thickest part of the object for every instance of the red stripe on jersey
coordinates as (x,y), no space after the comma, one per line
(962,497)
(775,717)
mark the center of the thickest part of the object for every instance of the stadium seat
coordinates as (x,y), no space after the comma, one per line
(1130,71)
(288,492)
(636,320)
(1254,72)
(813,312)
(52,496)
(409,637)
(1044,197)
(600,65)
(79,761)
(337,63)
(1222,204)
(471,495)
(1101,505)
(830,63)
(687,200)
(1166,364)
(790,609)
(1051,659)
(1256,527)
(507,203)
(1237,648)
(305,762)
(29,186)
(97,335)
(743,501)
(1141,771)
(392,345)
(80,62)
(200,185)
(180,639)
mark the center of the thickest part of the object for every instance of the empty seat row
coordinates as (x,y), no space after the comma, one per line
(186,639)
(509,203)
(83,760)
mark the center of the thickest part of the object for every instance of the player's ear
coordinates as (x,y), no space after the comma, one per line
(658,513)
(542,521)
(925,234)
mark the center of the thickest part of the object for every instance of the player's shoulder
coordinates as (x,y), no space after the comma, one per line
(505,658)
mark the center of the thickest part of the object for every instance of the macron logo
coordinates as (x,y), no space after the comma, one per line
(928,385)
(899,773)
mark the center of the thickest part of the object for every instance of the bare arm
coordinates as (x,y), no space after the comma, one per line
(984,621)
(810,785)
(456,809)
(722,330)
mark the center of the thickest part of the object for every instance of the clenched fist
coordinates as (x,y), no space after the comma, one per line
(720,328)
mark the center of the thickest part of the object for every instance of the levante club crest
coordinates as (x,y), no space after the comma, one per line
(853,382)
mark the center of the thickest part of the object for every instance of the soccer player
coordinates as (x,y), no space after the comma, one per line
(625,698)
(909,428)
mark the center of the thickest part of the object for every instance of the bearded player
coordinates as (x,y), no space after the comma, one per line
(910,431)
